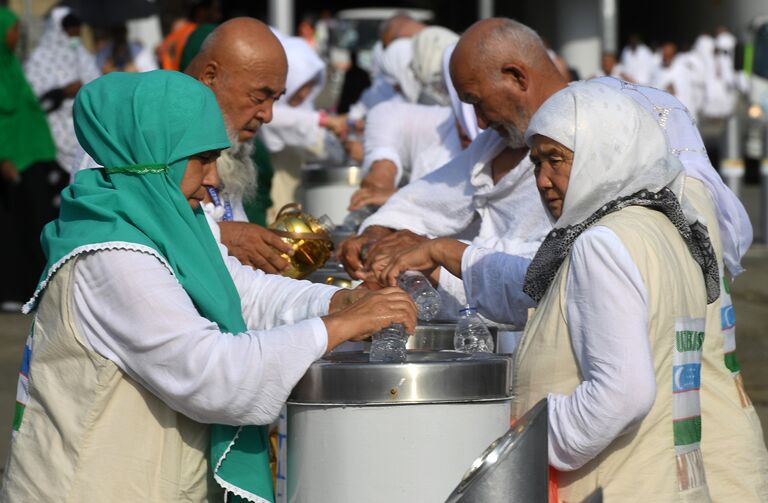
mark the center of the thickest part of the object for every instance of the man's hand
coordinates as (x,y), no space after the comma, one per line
(390,246)
(425,257)
(374,195)
(349,249)
(354,149)
(372,312)
(255,246)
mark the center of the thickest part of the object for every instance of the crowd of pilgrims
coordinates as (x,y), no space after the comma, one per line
(152,190)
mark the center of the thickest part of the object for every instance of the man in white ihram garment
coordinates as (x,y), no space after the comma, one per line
(495,280)
(638,60)
(484,193)
(405,141)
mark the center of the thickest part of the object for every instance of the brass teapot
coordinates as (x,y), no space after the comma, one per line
(309,237)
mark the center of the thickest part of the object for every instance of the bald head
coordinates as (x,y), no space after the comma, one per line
(502,68)
(399,26)
(245,65)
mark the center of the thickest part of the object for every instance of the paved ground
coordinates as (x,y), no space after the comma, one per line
(750,293)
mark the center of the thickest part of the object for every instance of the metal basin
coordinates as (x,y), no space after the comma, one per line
(513,468)
(438,336)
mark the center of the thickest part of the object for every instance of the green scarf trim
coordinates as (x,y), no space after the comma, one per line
(148,125)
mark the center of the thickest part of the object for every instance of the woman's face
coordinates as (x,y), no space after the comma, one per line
(299,96)
(200,174)
(552,163)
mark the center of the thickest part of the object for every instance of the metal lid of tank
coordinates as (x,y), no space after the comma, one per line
(425,377)
(319,174)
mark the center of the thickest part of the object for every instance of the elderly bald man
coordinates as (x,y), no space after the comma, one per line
(245,66)
(485,192)
(505,96)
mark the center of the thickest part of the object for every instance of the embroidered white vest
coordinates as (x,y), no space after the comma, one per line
(90,432)
(660,458)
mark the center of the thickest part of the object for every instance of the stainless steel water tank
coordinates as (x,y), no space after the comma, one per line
(359,431)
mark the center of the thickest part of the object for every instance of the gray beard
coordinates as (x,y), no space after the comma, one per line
(515,139)
(237,171)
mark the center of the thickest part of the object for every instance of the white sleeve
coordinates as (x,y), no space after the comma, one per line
(291,127)
(132,311)
(386,138)
(270,300)
(607,317)
(493,281)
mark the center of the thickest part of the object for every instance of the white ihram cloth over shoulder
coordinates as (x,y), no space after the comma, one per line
(417,138)
(54,64)
(618,151)
(685,142)
(461,195)
(132,311)
(296,126)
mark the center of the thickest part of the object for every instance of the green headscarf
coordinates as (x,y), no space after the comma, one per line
(194,43)
(143,127)
(24,135)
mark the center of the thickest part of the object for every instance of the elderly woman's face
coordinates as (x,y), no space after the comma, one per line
(301,94)
(552,163)
(200,174)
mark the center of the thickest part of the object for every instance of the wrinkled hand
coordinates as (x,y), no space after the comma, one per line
(349,249)
(255,246)
(418,258)
(372,312)
(390,246)
(365,196)
(426,257)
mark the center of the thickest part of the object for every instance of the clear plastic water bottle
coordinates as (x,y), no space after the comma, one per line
(388,345)
(354,218)
(472,336)
(422,292)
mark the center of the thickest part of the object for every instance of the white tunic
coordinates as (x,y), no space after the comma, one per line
(417,138)
(132,311)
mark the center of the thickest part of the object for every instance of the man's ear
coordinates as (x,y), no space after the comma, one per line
(516,74)
(210,73)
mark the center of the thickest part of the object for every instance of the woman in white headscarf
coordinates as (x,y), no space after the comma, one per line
(56,70)
(297,130)
(623,284)
(628,268)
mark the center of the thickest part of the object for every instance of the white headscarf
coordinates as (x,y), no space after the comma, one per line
(427,64)
(304,65)
(396,68)
(464,112)
(618,148)
(621,157)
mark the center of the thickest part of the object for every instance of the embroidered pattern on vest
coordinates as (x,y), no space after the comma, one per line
(686,405)
(22,387)
(728,325)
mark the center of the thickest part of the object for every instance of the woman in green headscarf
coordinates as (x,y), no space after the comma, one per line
(30,179)
(146,332)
